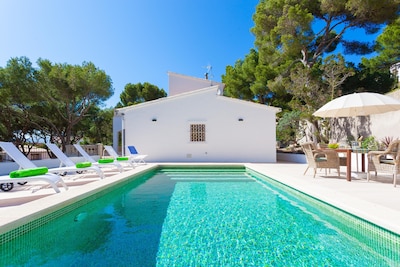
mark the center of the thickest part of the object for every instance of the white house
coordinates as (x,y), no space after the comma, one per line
(198,124)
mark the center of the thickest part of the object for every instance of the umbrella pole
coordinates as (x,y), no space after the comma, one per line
(356,138)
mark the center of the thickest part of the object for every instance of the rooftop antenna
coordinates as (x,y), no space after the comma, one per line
(208,74)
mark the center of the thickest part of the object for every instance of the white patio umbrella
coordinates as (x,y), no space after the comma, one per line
(358,104)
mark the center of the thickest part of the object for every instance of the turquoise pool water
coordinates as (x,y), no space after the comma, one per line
(203,217)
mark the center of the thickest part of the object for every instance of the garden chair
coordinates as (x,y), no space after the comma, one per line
(320,158)
(387,161)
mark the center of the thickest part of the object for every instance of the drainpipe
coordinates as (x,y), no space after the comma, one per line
(123,134)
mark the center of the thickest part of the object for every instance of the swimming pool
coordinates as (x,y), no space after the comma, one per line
(203,217)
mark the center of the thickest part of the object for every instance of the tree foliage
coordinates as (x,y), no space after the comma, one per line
(99,129)
(249,80)
(334,73)
(240,77)
(139,93)
(53,101)
(305,30)
(295,64)
(288,126)
(387,48)
(18,94)
(70,91)
(367,79)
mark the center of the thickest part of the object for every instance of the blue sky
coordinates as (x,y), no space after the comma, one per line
(131,40)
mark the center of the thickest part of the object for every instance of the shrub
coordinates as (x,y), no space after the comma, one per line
(370,143)
(386,141)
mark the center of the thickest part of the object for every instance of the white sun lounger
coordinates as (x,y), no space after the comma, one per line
(50,178)
(25,163)
(135,156)
(67,164)
(112,153)
(90,159)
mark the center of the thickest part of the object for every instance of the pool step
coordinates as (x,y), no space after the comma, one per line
(221,177)
(211,179)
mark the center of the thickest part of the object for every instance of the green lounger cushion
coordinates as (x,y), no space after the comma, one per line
(122,158)
(106,160)
(28,172)
(84,164)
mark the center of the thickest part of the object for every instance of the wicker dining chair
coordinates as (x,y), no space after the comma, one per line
(320,158)
(387,161)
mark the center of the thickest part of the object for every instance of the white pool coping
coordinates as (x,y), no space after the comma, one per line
(374,201)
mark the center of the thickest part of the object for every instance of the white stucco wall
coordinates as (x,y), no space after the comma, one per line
(178,84)
(227,138)
(386,124)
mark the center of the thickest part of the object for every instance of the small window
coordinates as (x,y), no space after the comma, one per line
(197,132)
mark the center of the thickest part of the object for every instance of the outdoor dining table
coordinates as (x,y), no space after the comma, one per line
(348,161)
(348,152)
